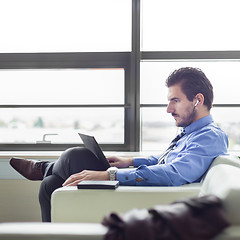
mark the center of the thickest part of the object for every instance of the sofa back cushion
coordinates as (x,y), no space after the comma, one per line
(226,159)
(232,160)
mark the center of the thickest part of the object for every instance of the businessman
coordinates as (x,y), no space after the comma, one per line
(190,97)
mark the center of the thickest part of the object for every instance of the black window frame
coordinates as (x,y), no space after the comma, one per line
(129,60)
(71,61)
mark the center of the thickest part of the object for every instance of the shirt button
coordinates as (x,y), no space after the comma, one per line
(126,178)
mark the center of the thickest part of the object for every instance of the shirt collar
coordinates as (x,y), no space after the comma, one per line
(198,124)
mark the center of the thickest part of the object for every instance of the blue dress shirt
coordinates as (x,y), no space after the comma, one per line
(186,163)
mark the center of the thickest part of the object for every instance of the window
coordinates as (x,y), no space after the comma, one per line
(61,125)
(44,108)
(99,67)
(155,73)
(65,26)
(184,33)
(59,88)
(64,69)
(62,86)
(188,25)
(158,129)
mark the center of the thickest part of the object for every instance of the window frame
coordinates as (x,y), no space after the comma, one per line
(130,61)
(150,56)
(70,61)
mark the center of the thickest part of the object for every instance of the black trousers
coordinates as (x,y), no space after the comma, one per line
(71,161)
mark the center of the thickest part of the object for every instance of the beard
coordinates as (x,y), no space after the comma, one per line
(187,120)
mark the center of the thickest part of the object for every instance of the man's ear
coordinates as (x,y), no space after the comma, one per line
(199,99)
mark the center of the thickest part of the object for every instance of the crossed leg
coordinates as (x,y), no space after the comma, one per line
(71,161)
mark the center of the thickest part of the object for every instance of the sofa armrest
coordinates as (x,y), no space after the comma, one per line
(70,204)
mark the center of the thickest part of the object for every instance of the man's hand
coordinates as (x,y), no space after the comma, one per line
(74,179)
(120,162)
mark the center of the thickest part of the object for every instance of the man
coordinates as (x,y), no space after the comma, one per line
(190,96)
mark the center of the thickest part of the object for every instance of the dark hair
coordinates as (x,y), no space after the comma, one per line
(193,81)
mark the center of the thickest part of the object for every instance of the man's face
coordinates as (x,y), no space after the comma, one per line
(180,107)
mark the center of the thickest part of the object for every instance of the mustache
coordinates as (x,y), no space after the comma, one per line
(174,114)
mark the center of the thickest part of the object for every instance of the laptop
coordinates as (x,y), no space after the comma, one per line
(91,143)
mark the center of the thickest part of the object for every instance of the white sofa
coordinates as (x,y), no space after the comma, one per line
(72,205)
(84,209)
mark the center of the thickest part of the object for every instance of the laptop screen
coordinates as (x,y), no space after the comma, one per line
(91,143)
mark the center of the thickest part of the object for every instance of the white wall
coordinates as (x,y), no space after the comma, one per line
(19,196)
(19,201)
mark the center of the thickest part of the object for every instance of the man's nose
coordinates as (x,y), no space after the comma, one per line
(169,108)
